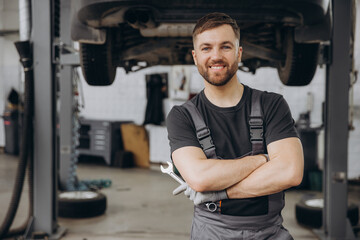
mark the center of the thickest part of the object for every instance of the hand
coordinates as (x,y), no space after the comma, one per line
(200,197)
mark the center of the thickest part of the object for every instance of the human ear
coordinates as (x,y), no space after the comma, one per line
(194,56)
(239,54)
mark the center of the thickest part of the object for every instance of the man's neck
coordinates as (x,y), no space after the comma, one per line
(228,95)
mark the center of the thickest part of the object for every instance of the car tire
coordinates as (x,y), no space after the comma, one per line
(299,66)
(97,62)
(81,204)
(308,213)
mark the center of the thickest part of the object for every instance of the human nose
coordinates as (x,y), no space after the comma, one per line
(216,54)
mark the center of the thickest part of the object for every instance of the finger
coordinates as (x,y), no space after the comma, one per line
(201,198)
(188,191)
(197,201)
(180,189)
(192,194)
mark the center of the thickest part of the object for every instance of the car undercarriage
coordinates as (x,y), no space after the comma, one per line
(136,34)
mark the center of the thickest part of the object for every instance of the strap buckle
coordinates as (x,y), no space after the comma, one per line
(256,129)
(205,139)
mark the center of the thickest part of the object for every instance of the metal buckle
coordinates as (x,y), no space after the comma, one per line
(211,206)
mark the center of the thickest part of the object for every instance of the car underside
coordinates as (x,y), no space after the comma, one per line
(139,34)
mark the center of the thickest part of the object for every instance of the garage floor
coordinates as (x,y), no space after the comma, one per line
(140,205)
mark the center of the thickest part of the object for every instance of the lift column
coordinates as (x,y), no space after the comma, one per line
(44,22)
(336,225)
(68,108)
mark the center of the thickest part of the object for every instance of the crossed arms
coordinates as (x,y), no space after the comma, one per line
(248,177)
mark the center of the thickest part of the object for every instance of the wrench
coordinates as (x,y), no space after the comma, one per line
(212,207)
(169,170)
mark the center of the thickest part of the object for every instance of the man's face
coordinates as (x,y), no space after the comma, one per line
(217,54)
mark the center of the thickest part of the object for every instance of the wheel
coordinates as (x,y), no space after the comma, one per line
(308,212)
(300,63)
(97,62)
(81,204)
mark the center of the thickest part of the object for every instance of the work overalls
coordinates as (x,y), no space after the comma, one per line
(215,224)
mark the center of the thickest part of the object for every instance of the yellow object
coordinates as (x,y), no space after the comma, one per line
(136,140)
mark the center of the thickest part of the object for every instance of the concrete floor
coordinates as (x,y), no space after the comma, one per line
(140,205)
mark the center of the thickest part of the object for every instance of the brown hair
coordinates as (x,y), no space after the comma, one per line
(213,20)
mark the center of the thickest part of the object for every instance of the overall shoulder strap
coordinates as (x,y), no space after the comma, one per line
(256,123)
(202,131)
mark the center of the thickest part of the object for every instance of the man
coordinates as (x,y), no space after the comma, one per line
(247,191)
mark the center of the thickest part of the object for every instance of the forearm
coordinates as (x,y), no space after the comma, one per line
(267,179)
(213,174)
(284,170)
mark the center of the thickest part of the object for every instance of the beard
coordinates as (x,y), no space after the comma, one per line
(218,79)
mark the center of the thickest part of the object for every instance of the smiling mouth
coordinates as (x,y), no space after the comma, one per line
(217,67)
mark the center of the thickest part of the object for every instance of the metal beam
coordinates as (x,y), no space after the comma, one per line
(67,115)
(45,160)
(335,222)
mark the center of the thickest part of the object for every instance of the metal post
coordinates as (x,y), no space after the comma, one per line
(45,165)
(67,108)
(335,222)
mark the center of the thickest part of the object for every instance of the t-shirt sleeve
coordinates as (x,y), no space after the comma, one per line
(181,131)
(279,123)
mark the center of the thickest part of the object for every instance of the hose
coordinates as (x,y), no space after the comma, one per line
(25,52)
(30,175)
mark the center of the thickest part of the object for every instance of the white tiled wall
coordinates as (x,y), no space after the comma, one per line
(125,99)
(159,150)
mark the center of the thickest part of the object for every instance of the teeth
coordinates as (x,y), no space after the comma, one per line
(217,67)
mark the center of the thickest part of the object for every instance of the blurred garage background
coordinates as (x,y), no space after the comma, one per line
(121,140)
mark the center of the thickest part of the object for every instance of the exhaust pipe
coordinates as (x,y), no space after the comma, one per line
(140,18)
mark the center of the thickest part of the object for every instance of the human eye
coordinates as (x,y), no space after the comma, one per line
(205,49)
(226,47)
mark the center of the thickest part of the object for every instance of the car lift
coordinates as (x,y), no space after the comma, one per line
(336,225)
(48,61)
(46,157)
(45,153)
